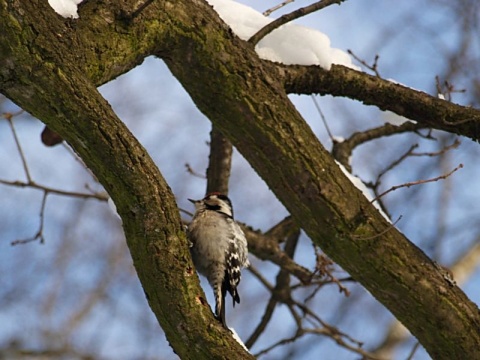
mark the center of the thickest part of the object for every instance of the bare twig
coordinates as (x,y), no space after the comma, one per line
(39,234)
(193,172)
(285,341)
(260,34)
(281,230)
(324,120)
(282,293)
(454,145)
(79,160)
(342,151)
(189,213)
(392,226)
(266,247)
(418,182)
(339,340)
(8,117)
(414,349)
(410,152)
(373,67)
(34,185)
(321,282)
(323,267)
(276,7)
(260,277)
(446,89)
(267,316)
(282,288)
(395,163)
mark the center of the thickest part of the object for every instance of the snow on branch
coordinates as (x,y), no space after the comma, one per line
(288,44)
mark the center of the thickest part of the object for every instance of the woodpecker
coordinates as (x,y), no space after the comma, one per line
(218,247)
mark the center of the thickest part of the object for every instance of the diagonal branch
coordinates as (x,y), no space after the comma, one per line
(266,247)
(267,29)
(75,109)
(418,182)
(282,285)
(342,151)
(427,110)
(262,123)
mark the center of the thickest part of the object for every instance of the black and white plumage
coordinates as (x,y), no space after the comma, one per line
(219,248)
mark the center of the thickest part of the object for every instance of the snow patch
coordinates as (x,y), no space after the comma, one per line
(289,44)
(364,189)
(65,8)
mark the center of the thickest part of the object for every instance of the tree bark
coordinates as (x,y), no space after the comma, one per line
(50,67)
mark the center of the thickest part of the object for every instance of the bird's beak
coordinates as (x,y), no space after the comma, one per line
(192,201)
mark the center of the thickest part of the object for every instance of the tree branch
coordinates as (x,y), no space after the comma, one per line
(342,151)
(255,113)
(74,109)
(220,162)
(427,110)
(260,34)
(314,189)
(418,182)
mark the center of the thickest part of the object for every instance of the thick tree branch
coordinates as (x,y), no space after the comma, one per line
(427,110)
(73,107)
(266,247)
(94,35)
(256,114)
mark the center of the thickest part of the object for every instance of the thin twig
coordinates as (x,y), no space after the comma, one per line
(447,89)
(455,145)
(186,212)
(34,185)
(193,172)
(338,339)
(324,120)
(441,177)
(414,349)
(267,316)
(260,277)
(380,234)
(9,116)
(79,160)
(39,233)
(342,151)
(392,165)
(267,29)
(324,268)
(281,291)
(266,247)
(320,283)
(397,162)
(276,7)
(279,343)
(373,67)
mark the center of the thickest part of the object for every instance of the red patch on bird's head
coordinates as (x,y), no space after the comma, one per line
(213,193)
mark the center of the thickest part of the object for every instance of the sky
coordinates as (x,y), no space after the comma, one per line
(162,116)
